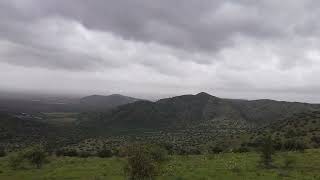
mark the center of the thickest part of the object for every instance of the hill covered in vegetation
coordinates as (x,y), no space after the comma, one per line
(195,111)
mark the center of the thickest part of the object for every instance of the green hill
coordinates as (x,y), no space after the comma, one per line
(194,111)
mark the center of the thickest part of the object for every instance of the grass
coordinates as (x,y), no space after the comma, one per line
(228,166)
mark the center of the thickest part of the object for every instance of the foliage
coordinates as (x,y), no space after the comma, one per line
(267,151)
(36,156)
(140,164)
(294,145)
(2,151)
(105,152)
(158,153)
(84,154)
(215,149)
(16,161)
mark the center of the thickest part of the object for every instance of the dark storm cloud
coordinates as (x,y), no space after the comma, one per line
(182,46)
(206,26)
(200,25)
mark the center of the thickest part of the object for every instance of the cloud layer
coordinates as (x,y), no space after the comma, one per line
(243,48)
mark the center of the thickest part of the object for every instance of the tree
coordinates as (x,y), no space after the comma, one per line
(158,153)
(140,165)
(36,156)
(267,151)
(2,151)
(105,152)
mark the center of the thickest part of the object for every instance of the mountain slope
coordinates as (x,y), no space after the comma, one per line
(15,129)
(196,111)
(303,127)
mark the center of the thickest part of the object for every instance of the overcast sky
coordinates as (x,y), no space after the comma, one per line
(229,48)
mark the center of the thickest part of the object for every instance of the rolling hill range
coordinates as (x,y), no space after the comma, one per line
(187,120)
(89,103)
(195,111)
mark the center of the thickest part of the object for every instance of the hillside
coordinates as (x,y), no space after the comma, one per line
(302,127)
(14,129)
(195,111)
(16,132)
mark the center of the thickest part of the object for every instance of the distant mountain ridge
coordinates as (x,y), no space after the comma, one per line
(88,103)
(186,119)
(200,110)
(99,102)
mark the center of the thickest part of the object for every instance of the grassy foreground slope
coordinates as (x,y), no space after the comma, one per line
(228,166)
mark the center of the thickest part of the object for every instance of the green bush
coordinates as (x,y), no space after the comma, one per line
(105,152)
(2,152)
(140,164)
(158,153)
(17,161)
(215,150)
(267,151)
(294,145)
(84,154)
(36,156)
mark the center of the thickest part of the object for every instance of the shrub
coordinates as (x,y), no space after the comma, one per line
(16,161)
(215,150)
(158,153)
(84,154)
(2,152)
(105,152)
(294,145)
(36,156)
(140,165)
(267,151)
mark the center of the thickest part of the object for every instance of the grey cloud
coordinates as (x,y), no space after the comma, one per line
(179,24)
(39,57)
(169,45)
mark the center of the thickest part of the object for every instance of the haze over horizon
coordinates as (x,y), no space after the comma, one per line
(266,49)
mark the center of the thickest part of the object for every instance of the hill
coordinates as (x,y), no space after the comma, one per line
(89,103)
(101,103)
(195,111)
(16,132)
(14,129)
(302,128)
